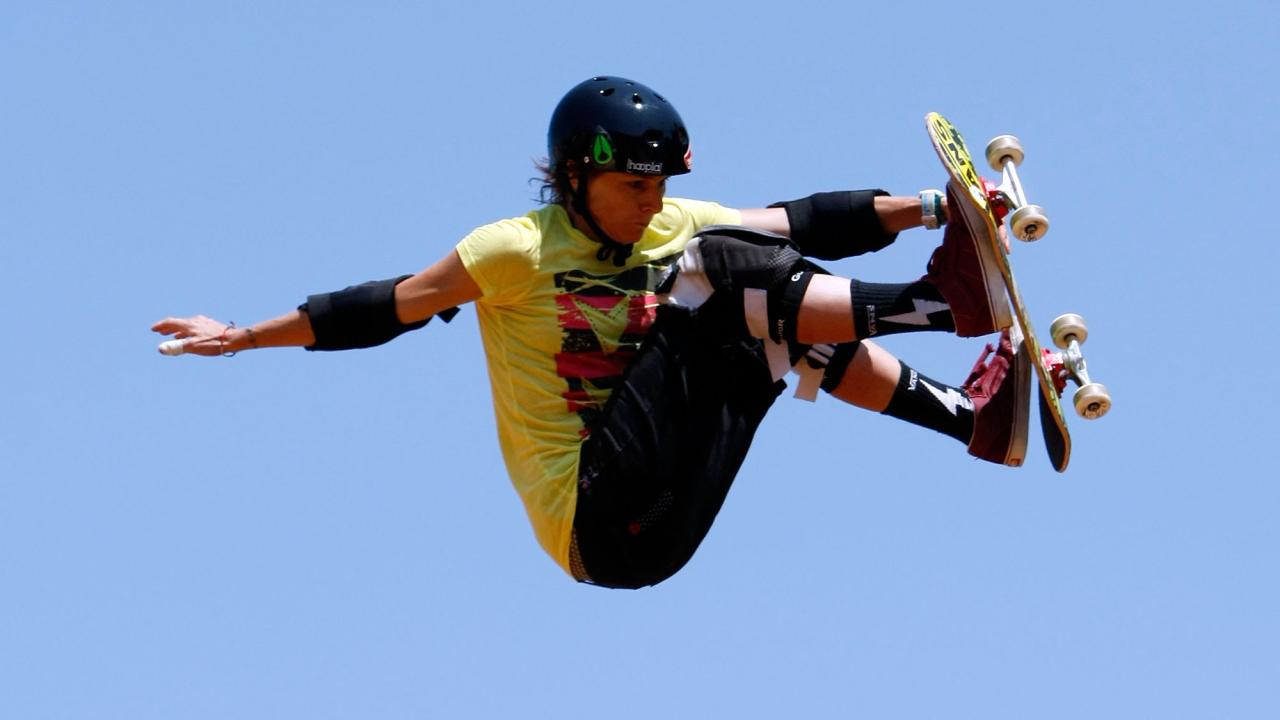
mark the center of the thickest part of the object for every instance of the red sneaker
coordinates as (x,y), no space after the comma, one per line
(1001,395)
(966,271)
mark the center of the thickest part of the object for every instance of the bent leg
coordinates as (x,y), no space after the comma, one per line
(814,322)
(988,413)
(783,297)
(655,471)
(837,309)
(876,380)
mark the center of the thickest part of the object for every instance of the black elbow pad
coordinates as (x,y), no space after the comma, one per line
(835,225)
(359,316)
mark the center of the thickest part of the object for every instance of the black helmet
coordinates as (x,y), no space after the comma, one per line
(611,123)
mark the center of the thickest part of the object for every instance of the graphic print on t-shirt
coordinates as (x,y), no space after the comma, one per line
(603,319)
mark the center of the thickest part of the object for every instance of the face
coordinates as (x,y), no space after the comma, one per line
(623,204)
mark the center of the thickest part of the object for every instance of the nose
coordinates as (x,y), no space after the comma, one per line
(651,199)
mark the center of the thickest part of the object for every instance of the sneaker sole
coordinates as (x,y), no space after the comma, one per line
(1021,407)
(992,278)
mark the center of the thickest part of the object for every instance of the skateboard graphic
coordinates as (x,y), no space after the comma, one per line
(991,212)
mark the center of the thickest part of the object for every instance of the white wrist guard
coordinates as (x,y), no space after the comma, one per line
(931,213)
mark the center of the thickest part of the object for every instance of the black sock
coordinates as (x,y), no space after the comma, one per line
(887,309)
(934,405)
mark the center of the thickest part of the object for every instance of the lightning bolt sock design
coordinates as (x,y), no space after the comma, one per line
(887,309)
(925,402)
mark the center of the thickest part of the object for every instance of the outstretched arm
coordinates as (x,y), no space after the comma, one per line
(200,335)
(444,285)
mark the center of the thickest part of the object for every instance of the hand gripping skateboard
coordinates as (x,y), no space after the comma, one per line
(1005,207)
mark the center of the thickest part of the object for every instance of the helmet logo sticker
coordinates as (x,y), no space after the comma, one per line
(602,150)
(647,168)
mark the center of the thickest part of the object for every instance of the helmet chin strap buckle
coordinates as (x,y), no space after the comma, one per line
(621,253)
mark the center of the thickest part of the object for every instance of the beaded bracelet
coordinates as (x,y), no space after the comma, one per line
(222,340)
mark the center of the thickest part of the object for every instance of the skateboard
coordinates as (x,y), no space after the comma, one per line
(999,210)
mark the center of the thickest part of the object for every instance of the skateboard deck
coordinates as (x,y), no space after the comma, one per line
(968,186)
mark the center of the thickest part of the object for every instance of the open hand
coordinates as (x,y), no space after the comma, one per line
(197,335)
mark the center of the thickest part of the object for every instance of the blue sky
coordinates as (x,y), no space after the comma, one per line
(286,534)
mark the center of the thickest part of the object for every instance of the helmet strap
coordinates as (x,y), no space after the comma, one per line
(608,246)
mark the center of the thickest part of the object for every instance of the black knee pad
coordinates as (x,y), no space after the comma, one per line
(838,364)
(737,259)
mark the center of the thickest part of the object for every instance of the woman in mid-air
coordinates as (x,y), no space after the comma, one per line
(635,341)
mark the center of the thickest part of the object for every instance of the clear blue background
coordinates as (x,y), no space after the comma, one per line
(287,534)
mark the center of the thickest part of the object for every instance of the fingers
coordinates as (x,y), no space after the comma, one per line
(172,347)
(171,325)
(192,345)
(191,325)
(197,335)
(168,326)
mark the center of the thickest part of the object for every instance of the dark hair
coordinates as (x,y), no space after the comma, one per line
(549,190)
(553,189)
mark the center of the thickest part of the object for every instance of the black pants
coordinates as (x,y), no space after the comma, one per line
(656,470)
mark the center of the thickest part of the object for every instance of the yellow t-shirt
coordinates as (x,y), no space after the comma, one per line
(559,328)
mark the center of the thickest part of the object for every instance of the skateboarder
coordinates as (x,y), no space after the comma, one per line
(635,341)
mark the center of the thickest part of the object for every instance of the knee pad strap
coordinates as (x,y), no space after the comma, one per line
(837,364)
(785,297)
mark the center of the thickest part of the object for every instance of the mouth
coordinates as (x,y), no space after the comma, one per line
(636,226)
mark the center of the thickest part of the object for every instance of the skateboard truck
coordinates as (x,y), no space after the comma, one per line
(997,200)
(1029,223)
(1068,331)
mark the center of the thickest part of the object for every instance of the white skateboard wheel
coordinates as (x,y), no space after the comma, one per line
(1001,147)
(1029,223)
(1064,326)
(1092,401)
